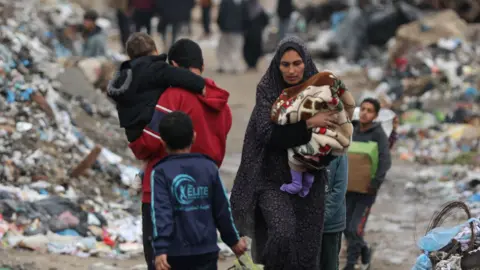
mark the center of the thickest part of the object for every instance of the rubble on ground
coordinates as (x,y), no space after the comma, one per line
(450,247)
(60,191)
(427,73)
(448,183)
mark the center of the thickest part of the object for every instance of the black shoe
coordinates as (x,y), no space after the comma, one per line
(349,267)
(220,71)
(366,257)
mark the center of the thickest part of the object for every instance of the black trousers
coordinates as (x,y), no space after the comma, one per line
(252,48)
(162,28)
(206,19)
(331,245)
(358,210)
(198,262)
(123,26)
(147,230)
(143,18)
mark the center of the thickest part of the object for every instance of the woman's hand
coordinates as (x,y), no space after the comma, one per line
(322,119)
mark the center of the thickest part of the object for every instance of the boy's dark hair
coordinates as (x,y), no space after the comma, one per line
(176,130)
(91,15)
(140,44)
(186,53)
(374,102)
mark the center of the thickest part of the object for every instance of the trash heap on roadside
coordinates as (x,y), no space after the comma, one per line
(423,66)
(450,247)
(35,219)
(447,183)
(60,190)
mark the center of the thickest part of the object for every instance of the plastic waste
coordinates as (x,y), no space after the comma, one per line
(423,263)
(438,238)
(24,126)
(245,262)
(68,232)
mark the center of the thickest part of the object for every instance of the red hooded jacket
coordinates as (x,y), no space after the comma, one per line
(211,117)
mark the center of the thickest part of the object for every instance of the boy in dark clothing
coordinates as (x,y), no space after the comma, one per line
(188,203)
(359,205)
(335,220)
(138,84)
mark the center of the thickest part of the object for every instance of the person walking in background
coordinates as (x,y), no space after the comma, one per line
(394,135)
(187,19)
(123,12)
(206,17)
(232,16)
(94,39)
(335,211)
(174,13)
(359,204)
(256,22)
(185,223)
(143,14)
(284,11)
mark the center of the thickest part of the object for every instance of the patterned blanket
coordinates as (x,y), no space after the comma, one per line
(322,92)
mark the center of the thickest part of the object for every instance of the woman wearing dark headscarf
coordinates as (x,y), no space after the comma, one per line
(255,24)
(286,229)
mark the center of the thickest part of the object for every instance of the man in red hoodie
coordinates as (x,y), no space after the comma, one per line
(211,117)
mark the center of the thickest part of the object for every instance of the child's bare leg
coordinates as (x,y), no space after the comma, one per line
(296,185)
(307,183)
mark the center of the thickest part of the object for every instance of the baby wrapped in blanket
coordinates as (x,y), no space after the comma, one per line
(322,92)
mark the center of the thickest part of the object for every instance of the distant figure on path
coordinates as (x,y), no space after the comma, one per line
(286,229)
(206,17)
(284,11)
(174,14)
(232,17)
(143,14)
(257,20)
(123,12)
(94,39)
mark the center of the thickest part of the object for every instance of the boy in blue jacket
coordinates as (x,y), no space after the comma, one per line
(189,203)
(335,212)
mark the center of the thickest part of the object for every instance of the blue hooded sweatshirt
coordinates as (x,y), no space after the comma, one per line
(188,204)
(335,209)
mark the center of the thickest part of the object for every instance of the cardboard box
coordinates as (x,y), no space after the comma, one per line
(362,165)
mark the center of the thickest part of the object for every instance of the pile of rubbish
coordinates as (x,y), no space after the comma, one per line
(423,66)
(450,248)
(33,219)
(439,144)
(448,183)
(59,190)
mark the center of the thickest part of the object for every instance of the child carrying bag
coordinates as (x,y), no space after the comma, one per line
(245,262)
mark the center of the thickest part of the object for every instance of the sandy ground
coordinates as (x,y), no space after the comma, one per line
(397,219)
